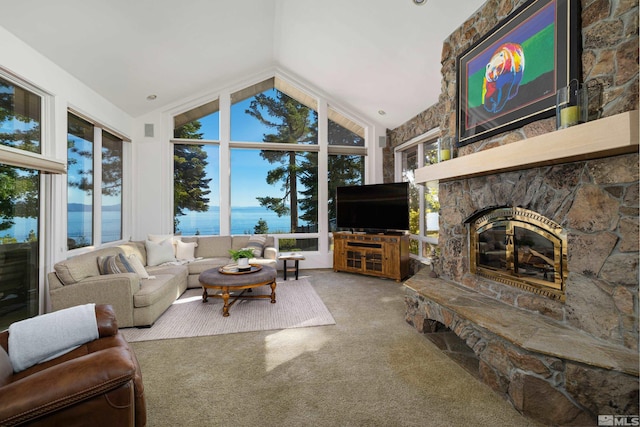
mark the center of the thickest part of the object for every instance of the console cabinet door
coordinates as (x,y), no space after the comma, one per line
(339,252)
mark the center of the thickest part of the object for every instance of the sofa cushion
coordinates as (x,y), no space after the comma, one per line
(186,250)
(158,253)
(80,267)
(137,248)
(138,266)
(256,244)
(239,242)
(153,290)
(114,264)
(213,246)
(159,238)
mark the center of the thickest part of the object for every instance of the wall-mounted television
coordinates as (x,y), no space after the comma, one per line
(373,208)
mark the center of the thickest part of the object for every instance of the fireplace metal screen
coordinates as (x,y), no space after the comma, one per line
(520,248)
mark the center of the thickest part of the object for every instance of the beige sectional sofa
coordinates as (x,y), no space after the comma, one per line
(139,301)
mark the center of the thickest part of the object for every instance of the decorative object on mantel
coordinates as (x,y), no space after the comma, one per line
(572,105)
(509,78)
(444,149)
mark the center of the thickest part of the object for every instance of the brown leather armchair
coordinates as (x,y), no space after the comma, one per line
(97,384)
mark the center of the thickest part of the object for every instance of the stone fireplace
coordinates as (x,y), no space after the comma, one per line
(557,336)
(538,272)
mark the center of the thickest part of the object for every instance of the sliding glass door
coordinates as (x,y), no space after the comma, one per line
(19,231)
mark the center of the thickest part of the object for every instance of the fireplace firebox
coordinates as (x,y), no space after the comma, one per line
(520,248)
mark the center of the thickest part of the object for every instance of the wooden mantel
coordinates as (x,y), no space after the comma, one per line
(606,137)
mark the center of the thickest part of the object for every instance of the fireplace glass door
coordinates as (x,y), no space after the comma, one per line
(520,251)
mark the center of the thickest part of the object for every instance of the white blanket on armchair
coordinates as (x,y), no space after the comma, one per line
(50,335)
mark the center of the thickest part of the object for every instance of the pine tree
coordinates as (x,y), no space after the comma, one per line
(294,123)
(190,187)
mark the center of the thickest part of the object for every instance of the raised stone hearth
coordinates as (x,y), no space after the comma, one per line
(548,370)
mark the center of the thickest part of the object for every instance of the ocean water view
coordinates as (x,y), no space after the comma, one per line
(243,221)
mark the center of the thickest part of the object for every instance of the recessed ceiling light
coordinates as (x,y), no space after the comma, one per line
(419,2)
(151,97)
(382,112)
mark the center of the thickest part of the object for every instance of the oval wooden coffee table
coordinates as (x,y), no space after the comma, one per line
(237,282)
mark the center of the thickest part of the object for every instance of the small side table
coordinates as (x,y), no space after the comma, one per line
(296,263)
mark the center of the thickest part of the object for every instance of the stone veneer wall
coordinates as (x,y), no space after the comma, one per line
(596,200)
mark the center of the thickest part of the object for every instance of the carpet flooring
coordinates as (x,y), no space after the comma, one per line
(297,306)
(370,369)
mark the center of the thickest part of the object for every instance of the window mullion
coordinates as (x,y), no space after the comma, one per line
(225,164)
(97,186)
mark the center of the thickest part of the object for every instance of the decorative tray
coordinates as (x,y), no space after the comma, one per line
(234,269)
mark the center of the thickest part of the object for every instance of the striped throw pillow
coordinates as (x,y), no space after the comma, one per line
(114,264)
(256,244)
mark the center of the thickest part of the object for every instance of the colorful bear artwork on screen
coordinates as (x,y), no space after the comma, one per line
(502,76)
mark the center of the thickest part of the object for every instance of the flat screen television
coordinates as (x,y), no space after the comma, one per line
(373,208)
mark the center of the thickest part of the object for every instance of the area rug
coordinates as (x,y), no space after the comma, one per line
(297,306)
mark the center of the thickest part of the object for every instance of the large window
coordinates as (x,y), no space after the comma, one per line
(273,191)
(272,150)
(274,188)
(90,147)
(423,199)
(79,183)
(274,111)
(196,207)
(196,199)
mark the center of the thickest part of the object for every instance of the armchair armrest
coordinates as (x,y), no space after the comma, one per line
(106,319)
(65,384)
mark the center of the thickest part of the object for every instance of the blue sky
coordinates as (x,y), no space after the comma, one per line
(249,170)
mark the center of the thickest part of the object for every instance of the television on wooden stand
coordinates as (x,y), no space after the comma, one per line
(373,208)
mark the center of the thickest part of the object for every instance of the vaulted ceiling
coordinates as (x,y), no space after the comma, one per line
(366,55)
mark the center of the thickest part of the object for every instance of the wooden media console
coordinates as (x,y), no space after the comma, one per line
(373,254)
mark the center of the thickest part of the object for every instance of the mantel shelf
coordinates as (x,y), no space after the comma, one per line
(606,137)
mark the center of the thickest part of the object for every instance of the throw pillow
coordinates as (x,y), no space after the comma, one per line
(157,238)
(114,264)
(256,244)
(158,253)
(137,266)
(185,250)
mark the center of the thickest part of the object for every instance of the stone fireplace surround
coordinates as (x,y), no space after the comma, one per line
(562,363)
